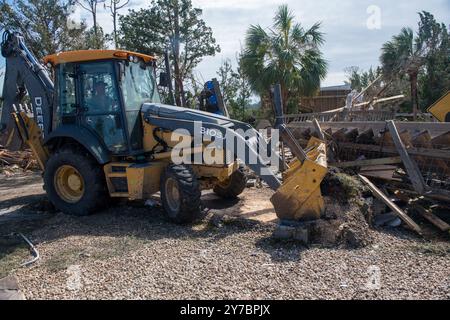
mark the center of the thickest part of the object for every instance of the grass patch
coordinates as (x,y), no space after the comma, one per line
(116,247)
(63,259)
(13,252)
(342,187)
(99,250)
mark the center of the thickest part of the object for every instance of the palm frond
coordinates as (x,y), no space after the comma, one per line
(283,19)
(286,54)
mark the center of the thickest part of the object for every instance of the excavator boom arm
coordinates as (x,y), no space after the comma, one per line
(24,74)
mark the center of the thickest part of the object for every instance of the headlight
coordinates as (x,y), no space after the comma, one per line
(133,59)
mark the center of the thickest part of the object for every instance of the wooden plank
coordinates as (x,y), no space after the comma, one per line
(382,167)
(319,130)
(382,175)
(435,128)
(439,194)
(430,153)
(411,166)
(387,140)
(441,225)
(442,141)
(399,212)
(422,140)
(376,101)
(369,162)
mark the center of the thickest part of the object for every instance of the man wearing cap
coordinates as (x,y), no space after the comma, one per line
(100,102)
(108,125)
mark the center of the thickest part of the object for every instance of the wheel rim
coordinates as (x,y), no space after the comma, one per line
(69,184)
(172,194)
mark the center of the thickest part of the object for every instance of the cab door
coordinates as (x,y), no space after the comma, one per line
(100,104)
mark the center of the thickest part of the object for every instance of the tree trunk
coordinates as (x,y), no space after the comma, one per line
(285,96)
(94,18)
(176,52)
(177,76)
(414,95)
(115,23)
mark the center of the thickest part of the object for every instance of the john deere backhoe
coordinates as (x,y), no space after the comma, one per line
(99,131)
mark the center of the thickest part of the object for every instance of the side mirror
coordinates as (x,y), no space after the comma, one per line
(163,80)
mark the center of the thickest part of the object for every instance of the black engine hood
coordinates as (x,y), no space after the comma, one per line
(156,110)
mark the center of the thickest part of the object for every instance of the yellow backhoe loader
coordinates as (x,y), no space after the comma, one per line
(99,131)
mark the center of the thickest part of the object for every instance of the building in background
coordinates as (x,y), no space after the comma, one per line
(329,98)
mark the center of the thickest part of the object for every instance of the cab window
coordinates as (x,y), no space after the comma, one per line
(138,85)
(66,106)
(100,104)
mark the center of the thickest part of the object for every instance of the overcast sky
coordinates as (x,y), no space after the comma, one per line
(354,29)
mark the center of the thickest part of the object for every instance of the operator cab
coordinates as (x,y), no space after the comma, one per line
(103,90)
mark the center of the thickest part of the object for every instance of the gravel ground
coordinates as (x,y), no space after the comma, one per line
(134,253)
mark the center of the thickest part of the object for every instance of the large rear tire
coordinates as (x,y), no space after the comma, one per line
(75,182)
(235,185)
(180,194)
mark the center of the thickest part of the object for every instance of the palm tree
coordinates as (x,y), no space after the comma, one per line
(405,54)
(286,54)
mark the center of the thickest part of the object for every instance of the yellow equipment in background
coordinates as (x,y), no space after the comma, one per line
(441,109)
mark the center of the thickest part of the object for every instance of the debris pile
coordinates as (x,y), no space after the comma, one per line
(15,161)
(404,167)
(348,214)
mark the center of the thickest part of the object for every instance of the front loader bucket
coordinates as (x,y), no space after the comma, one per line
(299,198)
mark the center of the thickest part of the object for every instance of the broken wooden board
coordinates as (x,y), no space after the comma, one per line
(435,220)
(411,166)
(399,212)
(430,153)
(382,175)
(367,163)
(387,140)
(422,140)
(319,131)
(382,172)
(434,128)
(442,141)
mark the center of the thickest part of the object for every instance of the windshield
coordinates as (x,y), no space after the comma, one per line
(139,85)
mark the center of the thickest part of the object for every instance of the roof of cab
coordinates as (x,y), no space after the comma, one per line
(92,55)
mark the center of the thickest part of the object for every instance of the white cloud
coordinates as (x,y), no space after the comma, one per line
(334,78)
(344,22)
(348,40)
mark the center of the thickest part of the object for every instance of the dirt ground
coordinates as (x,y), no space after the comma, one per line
(131,251)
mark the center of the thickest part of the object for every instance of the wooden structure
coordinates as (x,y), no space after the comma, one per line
(425,143)
(329,98)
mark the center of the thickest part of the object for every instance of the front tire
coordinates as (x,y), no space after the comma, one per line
(180,194)
(235,185)
(75,182)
